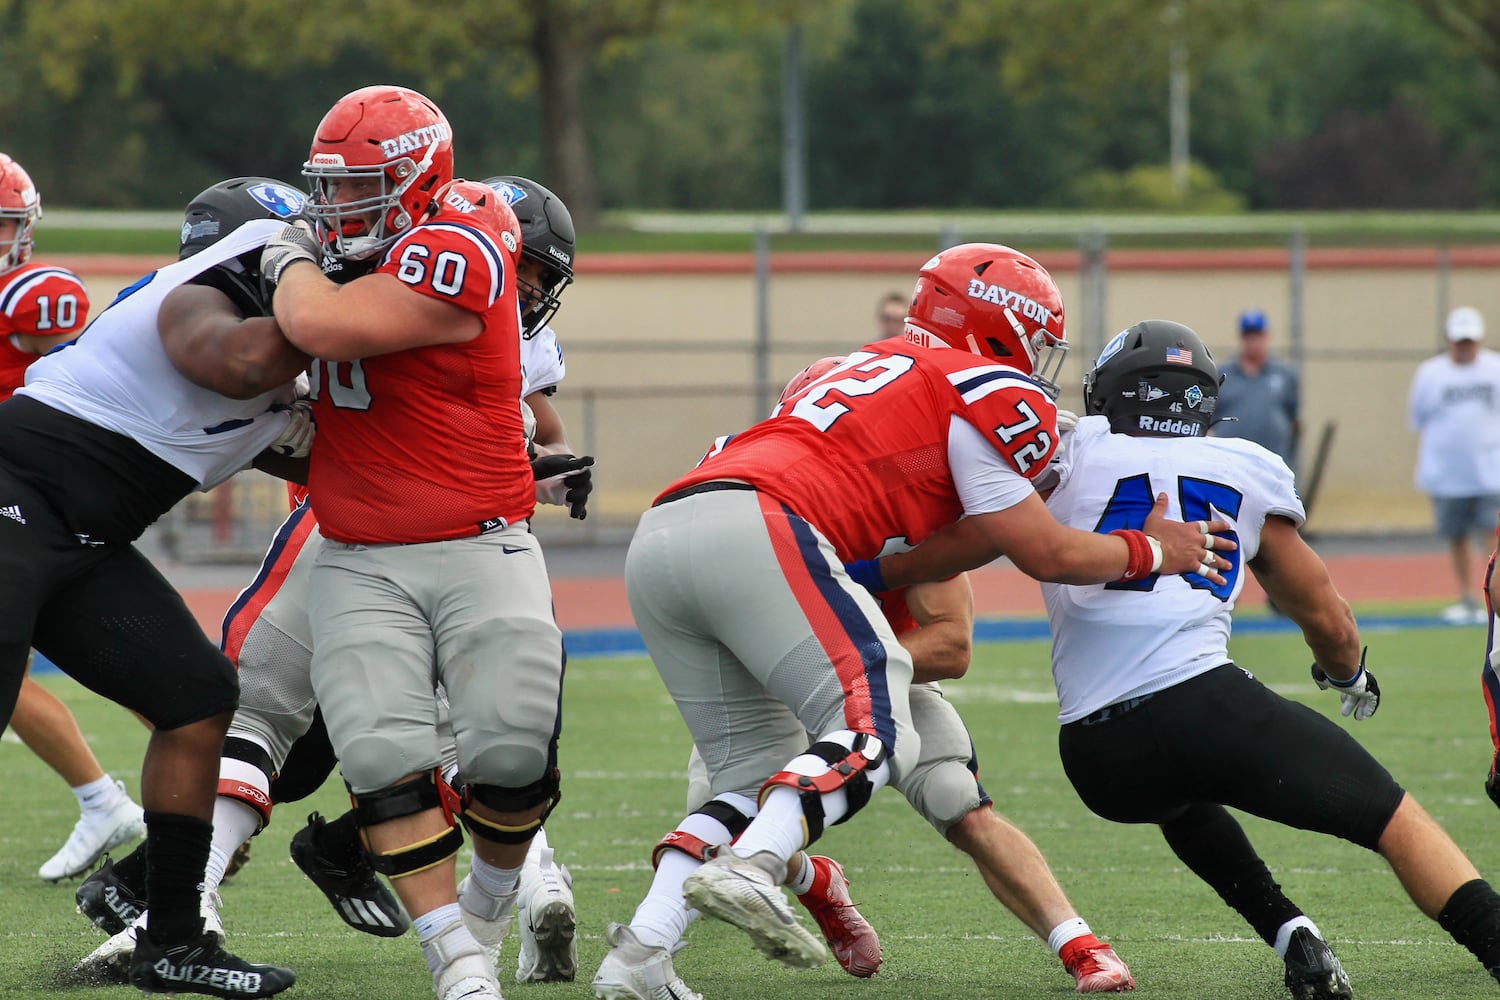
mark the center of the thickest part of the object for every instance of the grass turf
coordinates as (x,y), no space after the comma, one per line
(623,754)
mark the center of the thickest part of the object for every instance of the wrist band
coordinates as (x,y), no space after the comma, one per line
(1351,681)
(1144,553)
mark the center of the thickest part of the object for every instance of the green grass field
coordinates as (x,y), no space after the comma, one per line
(623,755)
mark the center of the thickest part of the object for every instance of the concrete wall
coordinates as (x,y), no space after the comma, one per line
(660,351)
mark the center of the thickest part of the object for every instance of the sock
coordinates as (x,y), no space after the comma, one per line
(131,871)
(430,924)
(663,917)
(234,823)
(1472,916)
(1066,931)
(176,856)
(780,827)
(99,795)
(806,874)
(497,882)
(340,841)
(1284,934)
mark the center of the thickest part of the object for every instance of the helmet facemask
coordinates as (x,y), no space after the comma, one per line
(539,300)
(18,247)
(361,228)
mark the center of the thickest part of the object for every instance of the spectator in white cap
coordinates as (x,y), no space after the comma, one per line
(1455,406)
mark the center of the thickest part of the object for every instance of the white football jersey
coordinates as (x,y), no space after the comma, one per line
(118,376)
(1116,641)
(541,362)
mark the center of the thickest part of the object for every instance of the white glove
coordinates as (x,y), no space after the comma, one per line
(1360,694)
(296,441)
(295,242)
(1066,420)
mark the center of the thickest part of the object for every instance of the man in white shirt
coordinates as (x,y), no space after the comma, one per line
(1453,405)
(1160,726)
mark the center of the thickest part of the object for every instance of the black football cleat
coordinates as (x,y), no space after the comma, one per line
(338,866)
(201,965)
(1312,970)
(106,900)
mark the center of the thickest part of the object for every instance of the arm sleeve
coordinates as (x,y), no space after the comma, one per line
(984,479)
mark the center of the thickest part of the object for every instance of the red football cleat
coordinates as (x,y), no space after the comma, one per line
(1095,966)
(849,935)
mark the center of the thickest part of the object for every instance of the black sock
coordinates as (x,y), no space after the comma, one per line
(131,871)
(1472,916)
(1214,847)
(340,842)
(176,856)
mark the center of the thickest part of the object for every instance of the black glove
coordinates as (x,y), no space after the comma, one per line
(564,479)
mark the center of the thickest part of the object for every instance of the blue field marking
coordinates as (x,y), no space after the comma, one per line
(627,641)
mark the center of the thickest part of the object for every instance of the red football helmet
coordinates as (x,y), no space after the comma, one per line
(808,376)
(393,149)
(993,301)
(479,204)
(18,201)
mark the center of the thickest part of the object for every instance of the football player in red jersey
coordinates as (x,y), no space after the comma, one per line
(935,622)
(736,576)
(423,490)
(42,306)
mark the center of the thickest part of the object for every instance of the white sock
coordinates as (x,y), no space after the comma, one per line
(1066,931)
(663,917)
(497,882)
(1284,933)
(430,924)
(99,795)
(779,826)
(806,873)
(234,823)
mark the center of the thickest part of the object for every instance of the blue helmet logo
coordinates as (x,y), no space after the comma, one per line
(512,194)
(278,199)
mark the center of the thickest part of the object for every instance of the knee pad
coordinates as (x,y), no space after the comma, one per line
(408,798)
(547,788)
(849,768)
(944,793)
(308,764)
(696,847)
(245,774)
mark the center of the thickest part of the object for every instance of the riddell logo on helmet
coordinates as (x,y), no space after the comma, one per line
(417,138)
(1163,425)
(1030,308)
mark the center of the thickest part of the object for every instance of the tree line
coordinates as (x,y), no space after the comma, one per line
(679,104)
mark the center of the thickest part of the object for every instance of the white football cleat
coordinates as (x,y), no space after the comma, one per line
(486,916)
(548,923)
(746,892)
(92,836)
(110,962)
(635,971)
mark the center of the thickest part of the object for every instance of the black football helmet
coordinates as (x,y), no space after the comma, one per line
(1156,379)
(548,238)
(217,211)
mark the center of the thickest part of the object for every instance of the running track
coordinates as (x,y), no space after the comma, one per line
(596,618)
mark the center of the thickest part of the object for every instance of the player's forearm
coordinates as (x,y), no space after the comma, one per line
(958,547)
(1331,634)
(941,651)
